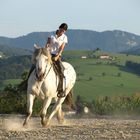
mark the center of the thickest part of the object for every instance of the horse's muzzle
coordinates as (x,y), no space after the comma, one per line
(40,77)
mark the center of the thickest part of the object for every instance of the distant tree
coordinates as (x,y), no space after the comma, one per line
(98,49)
(119,74)
(103,74)
(24,75)
(13,67)
(90,79)
(122,85)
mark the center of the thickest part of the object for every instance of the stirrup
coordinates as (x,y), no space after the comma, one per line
(61,94)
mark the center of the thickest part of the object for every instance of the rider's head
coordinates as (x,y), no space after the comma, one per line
(63,28)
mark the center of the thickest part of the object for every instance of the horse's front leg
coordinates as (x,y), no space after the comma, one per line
(55,109)
(30,101)
(60,115)
(46,104)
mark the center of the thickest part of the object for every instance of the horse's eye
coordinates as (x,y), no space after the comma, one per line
(37,57)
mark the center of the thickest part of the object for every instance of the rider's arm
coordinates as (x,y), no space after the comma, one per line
(61,48)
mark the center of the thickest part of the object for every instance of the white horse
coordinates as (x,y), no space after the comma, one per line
(43,83)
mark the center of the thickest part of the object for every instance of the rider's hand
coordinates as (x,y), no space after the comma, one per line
(56,58)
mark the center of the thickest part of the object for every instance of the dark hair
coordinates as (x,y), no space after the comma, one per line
(63,26)
(57,31)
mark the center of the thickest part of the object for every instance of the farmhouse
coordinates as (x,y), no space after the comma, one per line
(104,56)
(83,57)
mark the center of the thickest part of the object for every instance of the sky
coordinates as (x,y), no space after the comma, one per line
(20,17)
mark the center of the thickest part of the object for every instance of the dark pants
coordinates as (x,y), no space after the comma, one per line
(60,72)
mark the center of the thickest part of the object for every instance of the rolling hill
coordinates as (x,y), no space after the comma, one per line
(95,77)
(110,41)
(134,51)
(7,51)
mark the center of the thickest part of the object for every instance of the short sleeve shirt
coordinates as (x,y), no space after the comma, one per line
(56,42)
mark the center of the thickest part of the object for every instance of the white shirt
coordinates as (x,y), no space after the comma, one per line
(56,42)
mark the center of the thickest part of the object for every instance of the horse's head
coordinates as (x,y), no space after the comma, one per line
(42,59)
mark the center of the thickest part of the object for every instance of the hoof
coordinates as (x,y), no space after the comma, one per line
(47,124)
(43,120)
(61,121)
(25,125)
(43,123)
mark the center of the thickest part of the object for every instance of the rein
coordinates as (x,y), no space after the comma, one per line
(48,71)
(43,74)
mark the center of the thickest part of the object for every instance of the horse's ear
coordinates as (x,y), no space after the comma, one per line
(49,55)
(35,53)
(36,46)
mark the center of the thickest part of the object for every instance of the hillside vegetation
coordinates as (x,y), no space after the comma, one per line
(7,51)
(118,75)
(13,67)
(104,77)
(106,86)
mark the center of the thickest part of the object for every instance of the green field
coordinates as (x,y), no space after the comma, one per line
(9,81)
(96,77)
(108,84)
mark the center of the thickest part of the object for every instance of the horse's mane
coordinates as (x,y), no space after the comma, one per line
(40,51)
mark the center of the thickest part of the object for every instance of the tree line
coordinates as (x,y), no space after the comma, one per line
(13,67)
(13,100)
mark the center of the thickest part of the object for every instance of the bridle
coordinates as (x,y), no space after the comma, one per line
(47,70)
(45,74)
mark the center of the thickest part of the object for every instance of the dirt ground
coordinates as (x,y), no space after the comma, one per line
(72,129)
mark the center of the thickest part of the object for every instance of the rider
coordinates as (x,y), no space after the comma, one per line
(56,43)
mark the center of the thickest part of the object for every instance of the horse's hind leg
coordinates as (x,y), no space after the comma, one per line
(30,101)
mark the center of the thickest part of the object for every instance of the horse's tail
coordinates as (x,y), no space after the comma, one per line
(69,100)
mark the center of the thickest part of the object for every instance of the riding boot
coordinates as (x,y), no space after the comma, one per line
(60,93)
